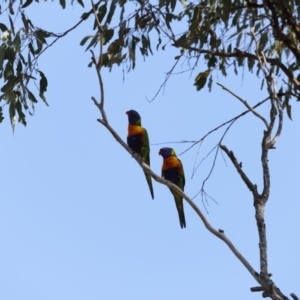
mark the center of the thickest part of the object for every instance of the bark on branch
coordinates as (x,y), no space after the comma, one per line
(218,233)
(252,187)
(240,53)
(267,286)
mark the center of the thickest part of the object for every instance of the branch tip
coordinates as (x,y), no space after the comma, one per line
(257,289)
(245,103)
(238,166)
(294,296)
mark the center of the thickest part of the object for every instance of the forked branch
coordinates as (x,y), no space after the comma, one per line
(245,103)
(252,187)
(269,289)
(218,233)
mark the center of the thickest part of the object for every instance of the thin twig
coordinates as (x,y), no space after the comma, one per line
(168,75)
(101,104)
(257,289)
(294,296)
(239,53)
(220,235)
(202,160)
(65,33)
(218,127)
(245,103)
(215,158)
(100,29)
(99,64)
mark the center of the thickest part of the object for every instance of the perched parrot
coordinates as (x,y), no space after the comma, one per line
(172,170)
(138,141)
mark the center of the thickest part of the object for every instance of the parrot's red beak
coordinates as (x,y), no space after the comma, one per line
(127,113)
(159,153)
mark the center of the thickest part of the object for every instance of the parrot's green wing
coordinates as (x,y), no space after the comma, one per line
(145,153)
(178,199)
(182,177)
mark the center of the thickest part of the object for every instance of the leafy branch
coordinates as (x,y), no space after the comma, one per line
(218,233)
(272,290)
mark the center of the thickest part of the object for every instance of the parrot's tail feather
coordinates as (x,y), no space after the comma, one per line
(179,206)
(149,181)
(182,219)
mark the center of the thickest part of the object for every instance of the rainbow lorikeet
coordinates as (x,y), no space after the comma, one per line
(138,141)
(172,170)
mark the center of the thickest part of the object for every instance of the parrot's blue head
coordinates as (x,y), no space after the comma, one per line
(133,117)
(166,152)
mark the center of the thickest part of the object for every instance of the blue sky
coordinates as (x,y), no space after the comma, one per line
(76,217)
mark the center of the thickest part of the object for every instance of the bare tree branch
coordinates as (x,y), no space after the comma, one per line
(100,105)
(245,103)
(267,286)
(227,122)
(294,296)
(252,187)
(260,201)
(275,110)
(99,64)
(220,234)
(257,289)
(100,32)
(240,53)
(168,75)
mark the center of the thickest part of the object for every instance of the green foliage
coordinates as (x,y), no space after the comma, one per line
(80,2)
(19,52)
(201,79)
(62,3)
(27,3)
(43,86)
(217,33)
(121,45)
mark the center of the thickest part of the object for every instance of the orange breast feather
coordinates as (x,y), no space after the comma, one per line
(134,130)
(171,162)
